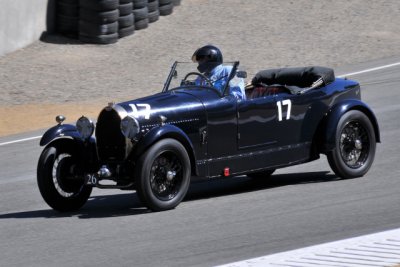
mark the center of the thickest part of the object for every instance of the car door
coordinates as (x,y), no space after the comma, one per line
(257,123)
(221,136)
(270,130)
(294,138)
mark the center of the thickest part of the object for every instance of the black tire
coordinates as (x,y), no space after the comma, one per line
(66,24)
(61,189)
(153,6)
(355,145)
(71,2)
(94,29)
(261,175)
(67,9)
(154,16)
(164,2)
(98,17)
(126,21)
(141,24)
(99,39)
(139,4)
(166,10)
(141,14)
(163,175)
(124,32)
(125,9)
(99,5)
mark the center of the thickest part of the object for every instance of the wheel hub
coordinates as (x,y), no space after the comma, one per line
(358,144)
(171,175)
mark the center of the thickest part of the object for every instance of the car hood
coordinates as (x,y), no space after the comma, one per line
(168,107)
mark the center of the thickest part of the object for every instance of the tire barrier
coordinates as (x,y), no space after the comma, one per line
(67,19)
(154,12)
(98,21)
(166,7)
(126,20)
(105,21)
(141,13)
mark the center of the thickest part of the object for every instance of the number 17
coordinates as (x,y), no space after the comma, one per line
(286,102)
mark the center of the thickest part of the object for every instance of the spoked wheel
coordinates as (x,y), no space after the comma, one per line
(60,185)
(166,176)
(355,145)
(163,175)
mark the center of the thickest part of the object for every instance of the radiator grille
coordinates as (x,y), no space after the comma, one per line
(111,144)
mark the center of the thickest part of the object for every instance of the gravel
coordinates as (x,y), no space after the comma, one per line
(259,33)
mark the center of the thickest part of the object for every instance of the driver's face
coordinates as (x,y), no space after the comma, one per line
(201,60)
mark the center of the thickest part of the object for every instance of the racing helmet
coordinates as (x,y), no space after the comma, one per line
(208,57)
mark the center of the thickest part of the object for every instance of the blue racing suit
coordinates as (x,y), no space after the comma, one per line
(219,76)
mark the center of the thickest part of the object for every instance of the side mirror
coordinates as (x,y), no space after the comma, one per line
(241,74)
(175,74)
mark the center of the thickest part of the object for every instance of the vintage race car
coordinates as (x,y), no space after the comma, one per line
(158,144)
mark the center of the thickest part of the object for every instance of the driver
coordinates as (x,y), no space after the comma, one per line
(210,60)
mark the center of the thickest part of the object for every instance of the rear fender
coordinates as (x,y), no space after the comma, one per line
(334,115)
(166,131)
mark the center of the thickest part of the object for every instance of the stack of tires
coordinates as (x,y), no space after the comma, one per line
(126,21)
(98,21)
(154,12)
(105,21)
(166,7)
(68,17)
(141,12)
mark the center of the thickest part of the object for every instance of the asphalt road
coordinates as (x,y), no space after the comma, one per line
(220,221)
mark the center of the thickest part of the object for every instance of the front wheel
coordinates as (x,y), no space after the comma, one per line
(355,145)
(60,185)
(163,175)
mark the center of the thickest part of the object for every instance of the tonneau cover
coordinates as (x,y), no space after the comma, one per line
(300,77)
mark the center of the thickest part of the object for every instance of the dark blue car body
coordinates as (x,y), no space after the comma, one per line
(223,135)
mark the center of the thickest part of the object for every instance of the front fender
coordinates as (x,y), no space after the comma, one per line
(337,111)
(166,131)
(67,131)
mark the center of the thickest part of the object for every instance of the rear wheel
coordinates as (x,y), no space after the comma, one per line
(60,185)
(163,175)
(355,145)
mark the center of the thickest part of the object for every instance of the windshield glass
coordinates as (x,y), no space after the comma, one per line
(185,74)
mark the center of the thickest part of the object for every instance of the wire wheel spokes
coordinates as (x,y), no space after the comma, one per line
(166,176)
(354,144)
(64,181)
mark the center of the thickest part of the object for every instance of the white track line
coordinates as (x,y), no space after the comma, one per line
(380,249)
(340,76)
(369,70)
(20,140)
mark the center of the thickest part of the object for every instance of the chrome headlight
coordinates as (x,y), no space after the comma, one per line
(130,127)
(85,127)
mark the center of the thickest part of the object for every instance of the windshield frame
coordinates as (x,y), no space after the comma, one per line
(173,72)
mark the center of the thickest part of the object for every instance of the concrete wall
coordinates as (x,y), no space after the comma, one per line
(23,22)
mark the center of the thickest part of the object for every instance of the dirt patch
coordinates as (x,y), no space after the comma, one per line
(29,117)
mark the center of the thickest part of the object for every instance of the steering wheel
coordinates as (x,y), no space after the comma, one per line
(208,81)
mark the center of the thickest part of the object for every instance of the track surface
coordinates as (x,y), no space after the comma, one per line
(220,221)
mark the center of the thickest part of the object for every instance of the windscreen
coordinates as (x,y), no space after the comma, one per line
(186,74)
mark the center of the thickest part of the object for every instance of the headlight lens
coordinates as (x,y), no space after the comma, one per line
(85,127)
(130,127)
